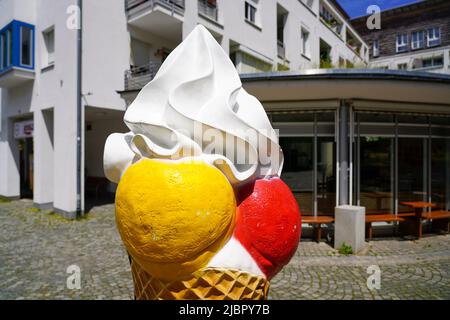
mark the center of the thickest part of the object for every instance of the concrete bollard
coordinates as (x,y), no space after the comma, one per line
(349,227)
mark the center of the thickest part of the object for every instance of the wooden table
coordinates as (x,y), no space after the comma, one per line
(416,221)
(378,196)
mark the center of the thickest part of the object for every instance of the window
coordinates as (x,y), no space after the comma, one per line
(434,37)
(17,46)
(250,12)
(26,40)
(418,40)
(6,53)
(402,43)
(376,48)
(49,53)
(433,62)
(9,38)
(402,66)
(305,42)
(3,51)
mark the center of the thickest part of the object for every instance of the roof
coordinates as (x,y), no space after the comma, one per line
(404,8)
(350,74)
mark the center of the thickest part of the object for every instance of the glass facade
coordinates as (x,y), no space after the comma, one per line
(309,147)
(395,157)
(400,157)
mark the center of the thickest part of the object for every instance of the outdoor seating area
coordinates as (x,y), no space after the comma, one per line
(404,224)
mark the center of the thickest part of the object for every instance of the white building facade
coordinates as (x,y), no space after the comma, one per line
(123,43)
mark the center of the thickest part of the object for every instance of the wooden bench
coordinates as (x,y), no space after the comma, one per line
(413,224)
(440,219)
(317,222)
(386,217)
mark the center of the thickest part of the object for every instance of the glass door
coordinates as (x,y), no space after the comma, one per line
(309,147)
(440,172)
(298,170)
(412,171)
(376,174)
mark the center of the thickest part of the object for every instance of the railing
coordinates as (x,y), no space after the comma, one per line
(281,50)
(207,8)
(173,4)
(137,77)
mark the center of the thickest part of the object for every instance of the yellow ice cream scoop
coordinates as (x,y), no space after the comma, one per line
(174,216)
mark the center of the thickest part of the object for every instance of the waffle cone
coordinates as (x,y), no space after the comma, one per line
(206,284)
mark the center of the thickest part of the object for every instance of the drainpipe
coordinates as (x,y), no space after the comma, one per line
(79,108)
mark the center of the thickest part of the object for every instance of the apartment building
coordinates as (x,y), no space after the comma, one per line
(60,97)
(259,36)
(412,37)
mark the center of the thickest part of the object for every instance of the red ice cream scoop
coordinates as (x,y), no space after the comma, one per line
(268,223)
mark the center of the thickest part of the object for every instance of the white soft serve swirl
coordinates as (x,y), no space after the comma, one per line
(197,85)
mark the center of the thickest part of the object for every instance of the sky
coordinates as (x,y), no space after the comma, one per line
(357,8)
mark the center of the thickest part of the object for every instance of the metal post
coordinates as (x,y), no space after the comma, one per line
(447,174)
(351,156)
(79,109)
(315,193)
(343,154)
(396,166)
(358,162)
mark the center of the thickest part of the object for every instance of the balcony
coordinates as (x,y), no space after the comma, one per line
(137,77)
(163,18)
(354,44)
(331,21)
(16,54)
(208,8)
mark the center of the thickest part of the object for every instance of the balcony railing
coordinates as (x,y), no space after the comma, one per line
(208,8)
(137,77)
(175,5)
(281,49)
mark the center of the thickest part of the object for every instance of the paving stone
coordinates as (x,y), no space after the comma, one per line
(38,247)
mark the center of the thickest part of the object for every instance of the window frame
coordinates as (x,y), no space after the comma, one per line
(437,39)
(250,8)
(398,46)
(305,44)
(45,35)
(401,65)
(433,62)
(21,28)
(11,47)
(419,43)
(376,45)
(3,53)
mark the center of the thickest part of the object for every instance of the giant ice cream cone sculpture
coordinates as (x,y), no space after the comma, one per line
(200,206)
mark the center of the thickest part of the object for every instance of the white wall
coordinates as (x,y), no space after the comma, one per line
(106,52)
(95,143)
(22,10)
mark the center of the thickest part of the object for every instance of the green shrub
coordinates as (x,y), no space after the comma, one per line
(345,249)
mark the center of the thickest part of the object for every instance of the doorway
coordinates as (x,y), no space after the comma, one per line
(26,163)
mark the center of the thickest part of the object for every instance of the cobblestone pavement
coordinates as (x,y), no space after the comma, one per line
(36,248)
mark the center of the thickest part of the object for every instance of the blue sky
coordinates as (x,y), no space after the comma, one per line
(357,8)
